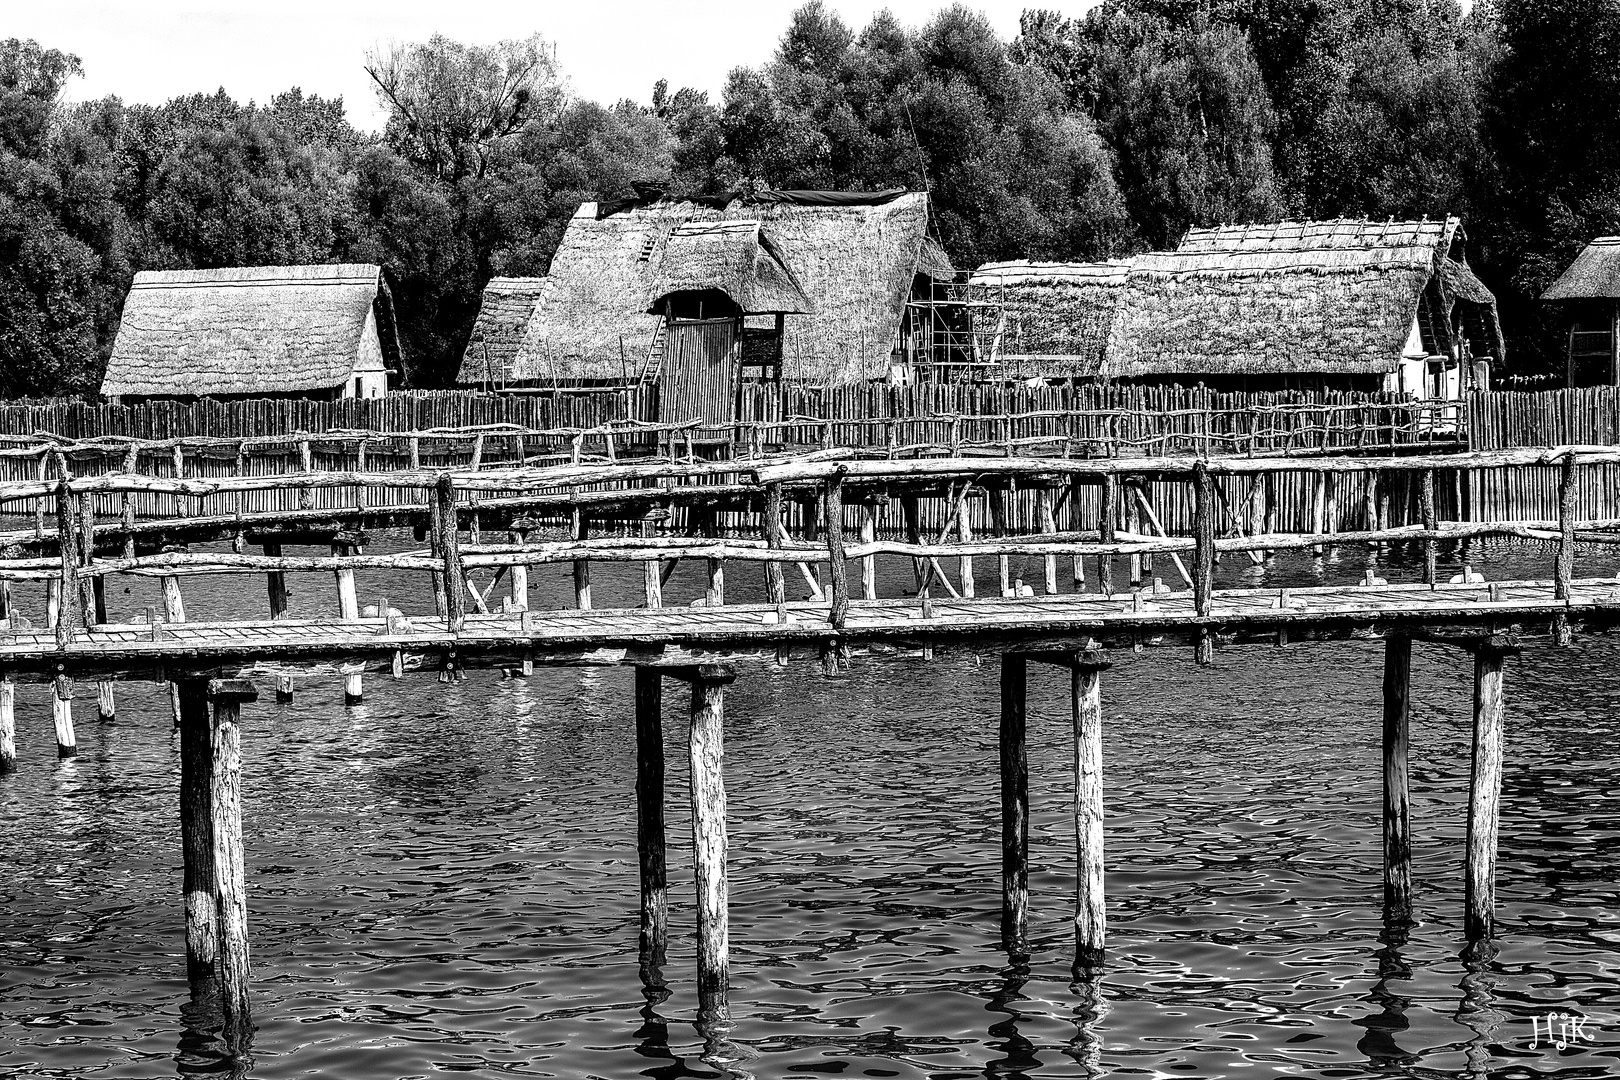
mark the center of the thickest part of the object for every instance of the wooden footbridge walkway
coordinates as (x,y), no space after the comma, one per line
(483,526)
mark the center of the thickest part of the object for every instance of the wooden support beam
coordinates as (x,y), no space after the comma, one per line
(715,593)
(911,519)
(707,753)
(8,725)
(1014,805)
(230,875)
(276,583)
(834,525)
(1077,569)
(1048,522)
(1133,525)
(450,548)
(1564,568)
(1106,532)
(198,888)
(1426,508)
(650,835)
(72,615)
(582,567)
(775,587)
(869,562)
(67,743)
(1484,791)
(1203,571)
(349,608)
(998,528)
(519,575)
(652,579)
(1090,917)
(1397,796)
(174,611)
(964,534)
(441,592)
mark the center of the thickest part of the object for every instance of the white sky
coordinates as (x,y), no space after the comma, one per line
(608,49)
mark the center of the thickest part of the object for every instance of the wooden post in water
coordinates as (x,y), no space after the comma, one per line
(1077,569)
(707,754)
(349,608)
(455,594)
(1014,805)
(1043,509)
(715,594)
(1430,522)
(964,533)
(835,550)
(8,724)
(1090,917)
(230,875)
(1564,569)
(518,573)
(276,585)
(71,616)
(174,611)
(1397,798)
(650,838)
(1105,532)
(67,744)
(582,567)
(998,528)
(652,578)
(1203,558)
(1133,524)
(775,587)
(869,562)
(198,888)
(1484,788)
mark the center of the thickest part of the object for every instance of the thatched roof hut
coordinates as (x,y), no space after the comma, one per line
(1331,298)
(1050,319)
(258,330)
(855,257)
(503,319)
(1594,275)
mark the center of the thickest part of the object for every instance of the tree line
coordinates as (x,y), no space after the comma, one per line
(1081,138)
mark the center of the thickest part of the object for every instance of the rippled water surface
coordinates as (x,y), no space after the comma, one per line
(443,879)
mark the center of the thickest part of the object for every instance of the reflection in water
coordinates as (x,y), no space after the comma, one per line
(1018,1058)
(1378,1044)
(203,1051)
(1089,1009)
(1477,1010)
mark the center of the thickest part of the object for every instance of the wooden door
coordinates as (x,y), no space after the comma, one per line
(699,376)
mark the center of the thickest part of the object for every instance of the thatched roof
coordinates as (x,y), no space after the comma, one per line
(503,319)
(733,257)
(854,261)
(1051,319)
(250,330)
(1595,273)
(1334,297)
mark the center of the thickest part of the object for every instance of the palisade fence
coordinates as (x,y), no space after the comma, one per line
(1589,416)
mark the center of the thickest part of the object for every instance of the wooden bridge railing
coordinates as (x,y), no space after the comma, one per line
(835,482)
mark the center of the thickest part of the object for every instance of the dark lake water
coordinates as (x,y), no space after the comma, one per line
(443,879)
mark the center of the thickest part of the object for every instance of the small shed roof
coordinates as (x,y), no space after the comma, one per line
(1595,273)
(733,257)
(1330,297)
(248,330)
(1053,319)
(503,318)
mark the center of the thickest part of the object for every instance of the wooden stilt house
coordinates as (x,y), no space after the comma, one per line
(1587,296)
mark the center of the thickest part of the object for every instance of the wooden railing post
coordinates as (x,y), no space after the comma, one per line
(1564,570)
(1105,532)
(1430,523)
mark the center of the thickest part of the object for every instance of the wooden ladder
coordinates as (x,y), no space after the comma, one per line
(654,363)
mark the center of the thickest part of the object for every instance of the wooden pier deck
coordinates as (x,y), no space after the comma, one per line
(497,524)
(743,632)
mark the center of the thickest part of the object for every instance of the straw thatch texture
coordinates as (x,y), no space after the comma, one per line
(1595,273)
(503,319)
(733,257)
(251,330)
(855,264)
(1050,319)
(1334,297)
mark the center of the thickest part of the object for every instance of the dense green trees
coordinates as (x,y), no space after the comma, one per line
(1081,138)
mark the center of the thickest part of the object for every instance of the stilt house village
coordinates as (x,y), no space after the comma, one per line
(1180,442)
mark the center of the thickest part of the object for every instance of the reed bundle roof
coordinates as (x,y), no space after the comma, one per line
(251,330)
(1332,297)
(503,318)
(733,257)
(1053,318)
(853,259)
(1595,273)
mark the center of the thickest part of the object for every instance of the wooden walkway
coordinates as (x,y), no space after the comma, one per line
(738,632)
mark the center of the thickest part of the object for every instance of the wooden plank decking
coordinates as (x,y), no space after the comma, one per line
(696,634)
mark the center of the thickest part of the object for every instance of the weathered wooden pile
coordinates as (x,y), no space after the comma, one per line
(670,505)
